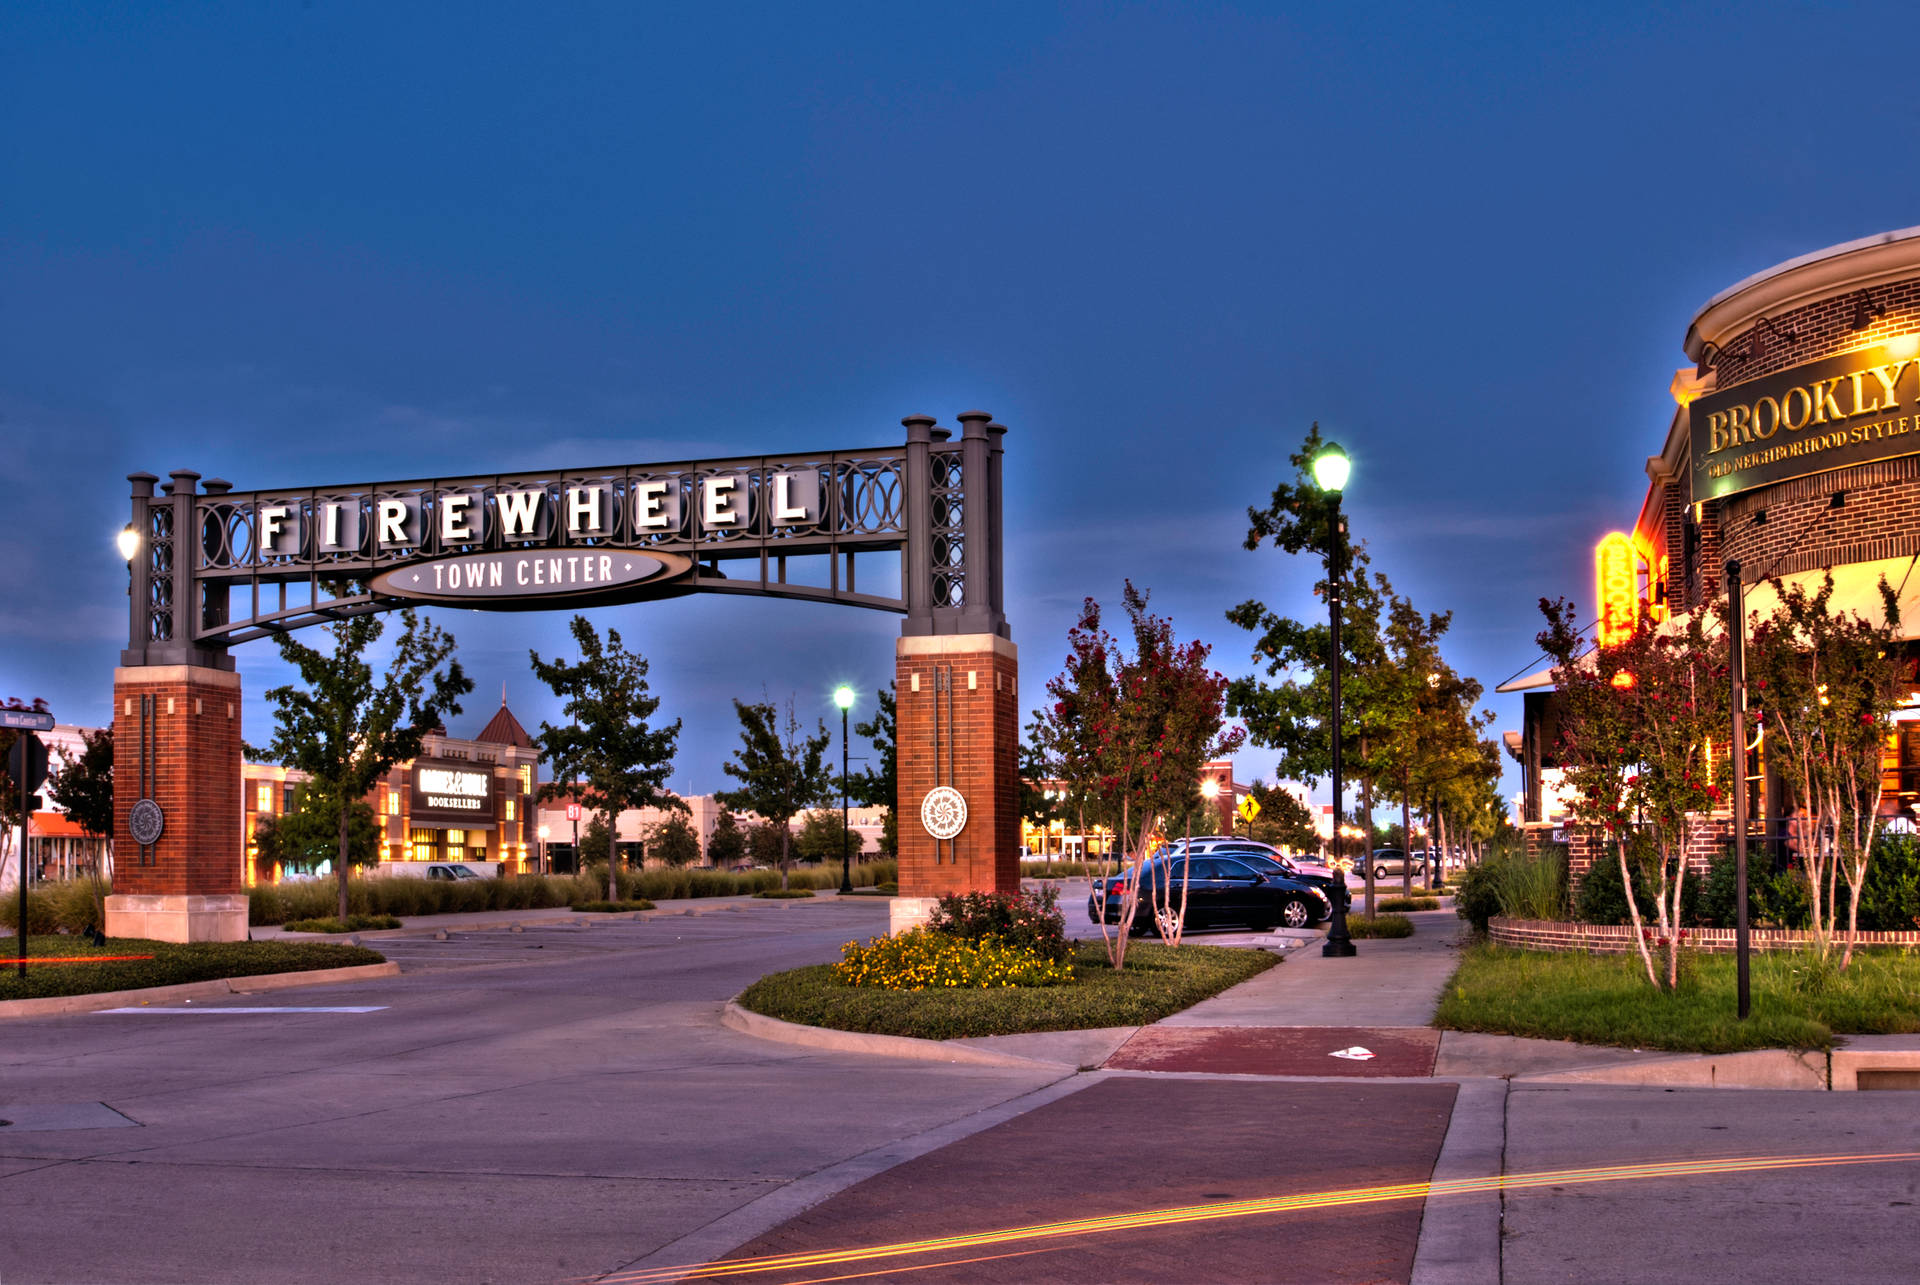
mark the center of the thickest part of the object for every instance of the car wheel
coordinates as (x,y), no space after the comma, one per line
(1295,914)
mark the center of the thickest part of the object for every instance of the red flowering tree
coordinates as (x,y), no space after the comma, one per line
(1638,726)
(1825,686)
(1141,726)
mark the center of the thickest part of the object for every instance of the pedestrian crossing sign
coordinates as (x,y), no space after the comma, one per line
(1248,809)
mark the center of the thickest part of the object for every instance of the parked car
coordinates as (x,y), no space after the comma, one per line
(1219,890)
(1392,861)
(1266,859)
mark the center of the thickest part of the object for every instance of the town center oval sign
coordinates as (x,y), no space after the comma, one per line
(527,573)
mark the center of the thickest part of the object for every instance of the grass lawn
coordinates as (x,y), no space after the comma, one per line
(1158,980)
(171,963)
(1605,999)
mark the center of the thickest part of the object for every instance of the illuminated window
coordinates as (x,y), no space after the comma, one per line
(423,844)
(393,803)
(263,798)
(509,809)
(526,778)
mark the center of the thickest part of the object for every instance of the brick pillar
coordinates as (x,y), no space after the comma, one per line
(182,723)
(958,705)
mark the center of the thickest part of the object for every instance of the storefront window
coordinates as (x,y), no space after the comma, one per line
(423,845)
(263,798)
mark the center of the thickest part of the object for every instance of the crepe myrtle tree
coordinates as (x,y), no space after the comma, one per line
(1638,724)
(608,754)
(1149,726)
(344,728)
(1825,686)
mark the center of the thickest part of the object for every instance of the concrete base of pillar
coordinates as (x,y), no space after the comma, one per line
(177,918)
(909,912)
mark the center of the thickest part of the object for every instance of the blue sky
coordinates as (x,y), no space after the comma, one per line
(337,242)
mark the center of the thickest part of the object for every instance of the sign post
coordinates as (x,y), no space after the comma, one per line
(27,765)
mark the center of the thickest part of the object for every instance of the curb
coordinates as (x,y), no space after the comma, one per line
(59,1005)
(1748,1069)
(901,1046)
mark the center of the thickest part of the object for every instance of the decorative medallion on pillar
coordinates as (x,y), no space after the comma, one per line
(944,812)
(146,822)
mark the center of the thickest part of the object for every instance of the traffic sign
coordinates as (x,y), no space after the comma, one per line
(1249,809)
(27,762)
(32,720)
(573,811)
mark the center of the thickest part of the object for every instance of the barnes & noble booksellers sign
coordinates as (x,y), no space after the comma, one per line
(1829,414)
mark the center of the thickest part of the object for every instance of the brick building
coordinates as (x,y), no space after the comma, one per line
(461,800)
(1793,449)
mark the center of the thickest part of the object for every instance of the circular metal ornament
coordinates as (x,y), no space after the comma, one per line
(943,812)
(146,821)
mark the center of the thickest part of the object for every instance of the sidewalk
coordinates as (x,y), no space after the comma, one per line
(483,920)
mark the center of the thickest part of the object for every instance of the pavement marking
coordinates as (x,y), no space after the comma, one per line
(213,1008)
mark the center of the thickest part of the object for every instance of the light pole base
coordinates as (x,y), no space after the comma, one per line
(1339,948)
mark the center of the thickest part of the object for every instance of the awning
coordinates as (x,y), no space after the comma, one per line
(1531,683)
(1856,588)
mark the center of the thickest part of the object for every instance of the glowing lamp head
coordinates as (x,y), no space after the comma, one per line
(1331,467)
(1623,680)
(843,696)
(1210,788)
(129,541)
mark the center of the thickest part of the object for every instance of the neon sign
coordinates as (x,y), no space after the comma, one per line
(1616,588)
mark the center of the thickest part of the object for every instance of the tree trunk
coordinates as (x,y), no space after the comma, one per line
(1366,823)
(346,810)
(1436,856)
(786,843)
(613,846)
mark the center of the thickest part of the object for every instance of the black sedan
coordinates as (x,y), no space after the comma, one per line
(1220,891)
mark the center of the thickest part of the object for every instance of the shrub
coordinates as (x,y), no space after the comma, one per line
(1478,897)
(1029,921)
(57,904)
(1532,887)
(1379,926)
(924,958)
(1603,898)
(784,894)
(351,924)
(610,907)
(1890,899)
(1410,903)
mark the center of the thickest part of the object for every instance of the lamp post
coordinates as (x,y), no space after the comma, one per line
(843,697)
(1330,469)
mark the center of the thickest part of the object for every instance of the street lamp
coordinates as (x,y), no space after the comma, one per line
(843,697)
(129,541)
(1330,470)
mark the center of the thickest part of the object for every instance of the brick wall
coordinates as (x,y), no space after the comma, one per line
(1617,939)
(1707,838)
(195,741)
(982,744)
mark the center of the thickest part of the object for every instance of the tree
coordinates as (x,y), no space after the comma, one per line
(1637,729)
(1039,804)
(607,753)
(309,831)
(765,845)
(1148,729)
(1283,820)
(821,835)
(1066,736)
(673,841)
(878,786)
(780,771)
(726,846)
(1292,713)
(84,787)
(1826,686)
(596,844)
(344,730)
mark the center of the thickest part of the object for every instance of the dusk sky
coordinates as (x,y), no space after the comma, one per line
(295,245)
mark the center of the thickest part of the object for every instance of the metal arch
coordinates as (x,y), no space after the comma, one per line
(205,561)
